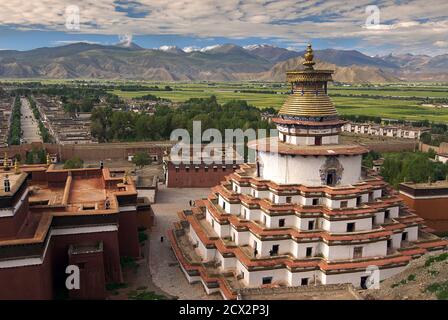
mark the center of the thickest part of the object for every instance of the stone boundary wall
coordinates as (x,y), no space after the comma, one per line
(443,148)
(247,292)
(93,151)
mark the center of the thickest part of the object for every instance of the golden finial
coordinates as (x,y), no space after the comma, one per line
(309,63)
(48,159)
(5,162)
(16,166)
(125,177)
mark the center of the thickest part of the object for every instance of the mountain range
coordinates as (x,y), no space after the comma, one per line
(226,62)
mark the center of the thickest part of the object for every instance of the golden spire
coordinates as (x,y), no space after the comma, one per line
(5,161)
(48,159)
(308,56)
(125,177)
(16,166)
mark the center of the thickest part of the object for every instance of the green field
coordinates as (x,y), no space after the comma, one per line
(395,101)
(391,106)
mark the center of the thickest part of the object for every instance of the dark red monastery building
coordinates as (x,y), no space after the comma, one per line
(52,218)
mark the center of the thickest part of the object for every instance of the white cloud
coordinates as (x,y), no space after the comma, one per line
(441,44)
(288,20)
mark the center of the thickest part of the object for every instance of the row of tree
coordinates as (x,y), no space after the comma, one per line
(15,131)
(415,167)
(109,125)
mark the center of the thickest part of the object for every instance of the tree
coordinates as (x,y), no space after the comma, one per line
(141,159)
(74,163)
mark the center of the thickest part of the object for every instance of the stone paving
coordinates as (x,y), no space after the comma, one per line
(165,271)
(30,126)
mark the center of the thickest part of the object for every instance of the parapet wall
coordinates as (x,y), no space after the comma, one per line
(95,151)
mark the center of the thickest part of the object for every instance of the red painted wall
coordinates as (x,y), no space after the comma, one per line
(197,178)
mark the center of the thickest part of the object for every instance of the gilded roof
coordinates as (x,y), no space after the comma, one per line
(308,105)
(309,98)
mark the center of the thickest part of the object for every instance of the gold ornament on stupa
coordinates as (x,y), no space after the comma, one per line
(125,177)
(5,162)
(309,56)
(16,166)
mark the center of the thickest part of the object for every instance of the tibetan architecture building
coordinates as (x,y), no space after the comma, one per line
(430,201)
(304,214)
(51,219)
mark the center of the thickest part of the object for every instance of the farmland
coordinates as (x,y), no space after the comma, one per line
(388,101)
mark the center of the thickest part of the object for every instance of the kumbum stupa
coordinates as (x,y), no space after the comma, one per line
(304,214)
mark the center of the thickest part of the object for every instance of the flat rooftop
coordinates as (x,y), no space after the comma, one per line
(427,185)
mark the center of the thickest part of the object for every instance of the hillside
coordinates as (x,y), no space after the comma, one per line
(351,74)
(426,278)
(226,62)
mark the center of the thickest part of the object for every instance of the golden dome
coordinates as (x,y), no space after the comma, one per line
(308,105)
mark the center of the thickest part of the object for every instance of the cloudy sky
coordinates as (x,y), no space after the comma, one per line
(415,26)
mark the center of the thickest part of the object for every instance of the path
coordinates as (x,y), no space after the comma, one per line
(165,270)
(30,126)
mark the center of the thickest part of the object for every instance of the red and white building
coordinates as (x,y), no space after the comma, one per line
(304,214)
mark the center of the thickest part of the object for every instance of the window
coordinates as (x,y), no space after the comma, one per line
(266,280)
(281,223)
(315,202)
(213,223)
(350,227)
(386,214)
(187,169)
(344,204)
(357,252)
(358,201)
(274,250)
(288,199)
(264,219)
(310,225)
(304,282)
(206,169)
(373,220)
(404,236)
(318,141)
(309,252)
(244,213)
(284,138)
(389,243)
(224,205)
(177,169)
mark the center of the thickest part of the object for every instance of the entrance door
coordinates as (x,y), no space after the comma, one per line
(331,178)
(363,283)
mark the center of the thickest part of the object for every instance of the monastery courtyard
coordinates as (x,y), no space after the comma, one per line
(165,271)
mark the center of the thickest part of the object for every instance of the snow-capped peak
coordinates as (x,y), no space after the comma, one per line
(251,47)
(205,49)
(167,48)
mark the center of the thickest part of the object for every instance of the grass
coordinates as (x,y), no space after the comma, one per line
(439,289)
(391,106)
(145,295)
(115,286)
(439,258)
(128,262)
(142,236)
